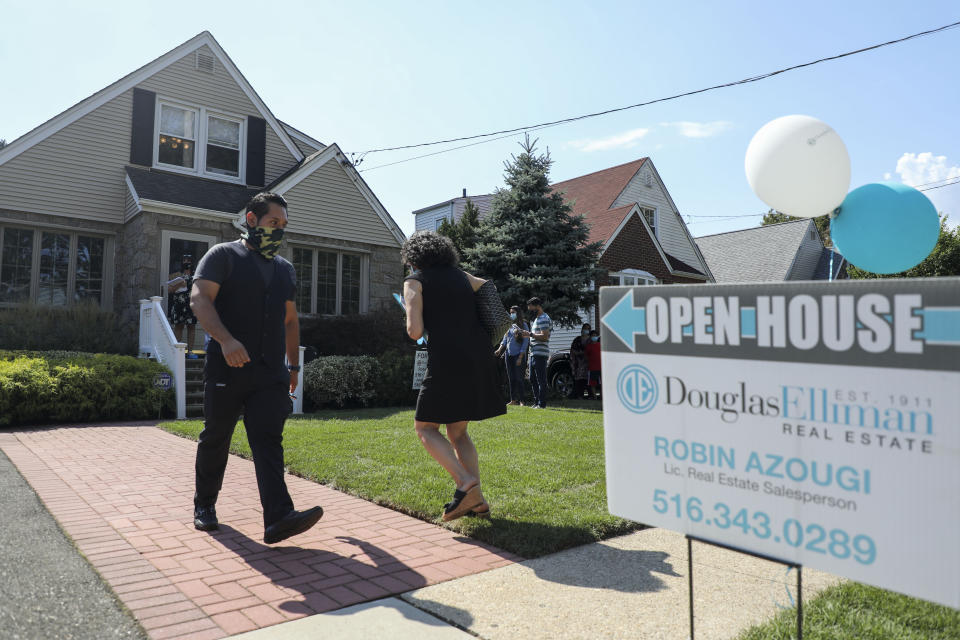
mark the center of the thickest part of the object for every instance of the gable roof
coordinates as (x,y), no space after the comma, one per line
(82,108)
(592,196)
(314,161)
(296,134)
(759,254)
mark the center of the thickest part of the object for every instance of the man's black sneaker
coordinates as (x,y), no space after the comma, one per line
(205,518)
(293,523)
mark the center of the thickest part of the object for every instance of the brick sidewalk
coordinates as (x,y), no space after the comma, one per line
(125,495)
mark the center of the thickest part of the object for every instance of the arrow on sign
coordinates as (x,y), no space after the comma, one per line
(625,320)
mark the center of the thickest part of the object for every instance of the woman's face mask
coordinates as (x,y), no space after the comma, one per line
(513,316)
(585,333)
(595,338)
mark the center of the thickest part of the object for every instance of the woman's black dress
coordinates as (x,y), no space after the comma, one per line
(462,381)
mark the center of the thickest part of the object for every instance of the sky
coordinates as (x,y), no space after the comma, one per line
(375,74)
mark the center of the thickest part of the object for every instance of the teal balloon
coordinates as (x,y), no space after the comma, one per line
(885,227)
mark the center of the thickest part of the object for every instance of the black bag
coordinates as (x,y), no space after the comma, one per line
(493,316)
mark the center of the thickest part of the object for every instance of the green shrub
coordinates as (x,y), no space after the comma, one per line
(369,334)
(71,386)
(84,327)
(394,384)
(341,380)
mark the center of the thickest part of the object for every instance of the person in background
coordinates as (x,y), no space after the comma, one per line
(515,347)
(461,382)
(180,313)
(539,335)
(578,362)
(593,362)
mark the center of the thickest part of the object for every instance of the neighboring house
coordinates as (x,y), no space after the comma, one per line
(771,253)
(100,203)
(429,218)
(631,213)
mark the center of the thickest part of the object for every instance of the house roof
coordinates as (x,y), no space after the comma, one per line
(189,191)
(822,271)
(82,108)
(592,196)
(760,254)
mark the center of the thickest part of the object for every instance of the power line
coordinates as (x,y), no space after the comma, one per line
(749,80)
(939,186)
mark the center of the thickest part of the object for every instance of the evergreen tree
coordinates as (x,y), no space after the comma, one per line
(463,233)
(944,260)
(822,222)
(3,143)
(530,244)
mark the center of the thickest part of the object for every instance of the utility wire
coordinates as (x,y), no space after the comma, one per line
(751,79)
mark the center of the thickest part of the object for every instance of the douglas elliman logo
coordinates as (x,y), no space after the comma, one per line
(637,388)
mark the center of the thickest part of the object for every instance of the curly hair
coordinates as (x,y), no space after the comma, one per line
(425,249)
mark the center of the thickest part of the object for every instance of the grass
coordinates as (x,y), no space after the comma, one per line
(853,611)
(542,470)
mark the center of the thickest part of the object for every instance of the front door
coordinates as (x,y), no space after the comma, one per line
(177,245)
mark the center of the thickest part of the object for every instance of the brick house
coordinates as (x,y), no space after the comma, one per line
(630,212)
(99,203)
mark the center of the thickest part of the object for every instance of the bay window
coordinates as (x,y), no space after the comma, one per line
(51,267)
(329,282)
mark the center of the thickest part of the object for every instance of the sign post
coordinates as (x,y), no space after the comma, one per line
(164,382)
(419,368)
(817,424)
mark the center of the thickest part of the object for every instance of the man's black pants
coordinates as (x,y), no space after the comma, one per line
(256,392)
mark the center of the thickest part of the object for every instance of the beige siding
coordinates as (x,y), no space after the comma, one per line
(327,203)
(670,231)
(182,81)
(76,172)
(808,255)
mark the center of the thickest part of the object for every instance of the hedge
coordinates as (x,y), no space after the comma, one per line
(72,386)
(80,327)
(367,334)
(351,381)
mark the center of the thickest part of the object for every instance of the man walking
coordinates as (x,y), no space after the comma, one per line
(243,295)
(539,335)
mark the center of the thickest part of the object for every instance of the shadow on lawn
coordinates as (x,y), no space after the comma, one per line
(360,413)
(312,572)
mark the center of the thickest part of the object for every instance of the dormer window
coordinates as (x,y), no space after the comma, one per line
(199,141)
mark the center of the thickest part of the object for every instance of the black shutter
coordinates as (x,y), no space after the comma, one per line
(141,138)
(256,151)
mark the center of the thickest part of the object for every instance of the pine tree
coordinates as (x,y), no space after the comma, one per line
(463,233)
(530,244)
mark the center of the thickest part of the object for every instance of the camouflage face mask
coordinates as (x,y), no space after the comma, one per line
(264,240)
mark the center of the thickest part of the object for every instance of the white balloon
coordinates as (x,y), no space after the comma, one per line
(798,165)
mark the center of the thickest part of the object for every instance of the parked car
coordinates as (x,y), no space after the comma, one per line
(560,374)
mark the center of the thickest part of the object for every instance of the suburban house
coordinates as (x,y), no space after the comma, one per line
(630,212)
(100,203)
(771,253)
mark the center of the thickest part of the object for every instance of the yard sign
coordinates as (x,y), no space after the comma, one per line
(818,423)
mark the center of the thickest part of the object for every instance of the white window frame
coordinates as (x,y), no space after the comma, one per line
(656,217)
(364,277)
(200,156)
(106,291)
(640,277)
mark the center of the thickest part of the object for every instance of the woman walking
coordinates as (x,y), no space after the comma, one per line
(515,346)
(461,381)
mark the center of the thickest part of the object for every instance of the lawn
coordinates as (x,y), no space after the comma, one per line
(852,611)
(542,470)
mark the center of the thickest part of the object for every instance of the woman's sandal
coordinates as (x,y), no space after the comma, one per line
(463,503)
(483,511)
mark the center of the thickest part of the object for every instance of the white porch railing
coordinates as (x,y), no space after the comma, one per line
(158,342)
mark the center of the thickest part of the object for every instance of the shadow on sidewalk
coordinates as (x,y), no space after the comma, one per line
(313,571)
(601,567)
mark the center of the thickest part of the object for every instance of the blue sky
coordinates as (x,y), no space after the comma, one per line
(375,74)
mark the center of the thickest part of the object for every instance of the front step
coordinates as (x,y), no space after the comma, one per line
(194,386)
